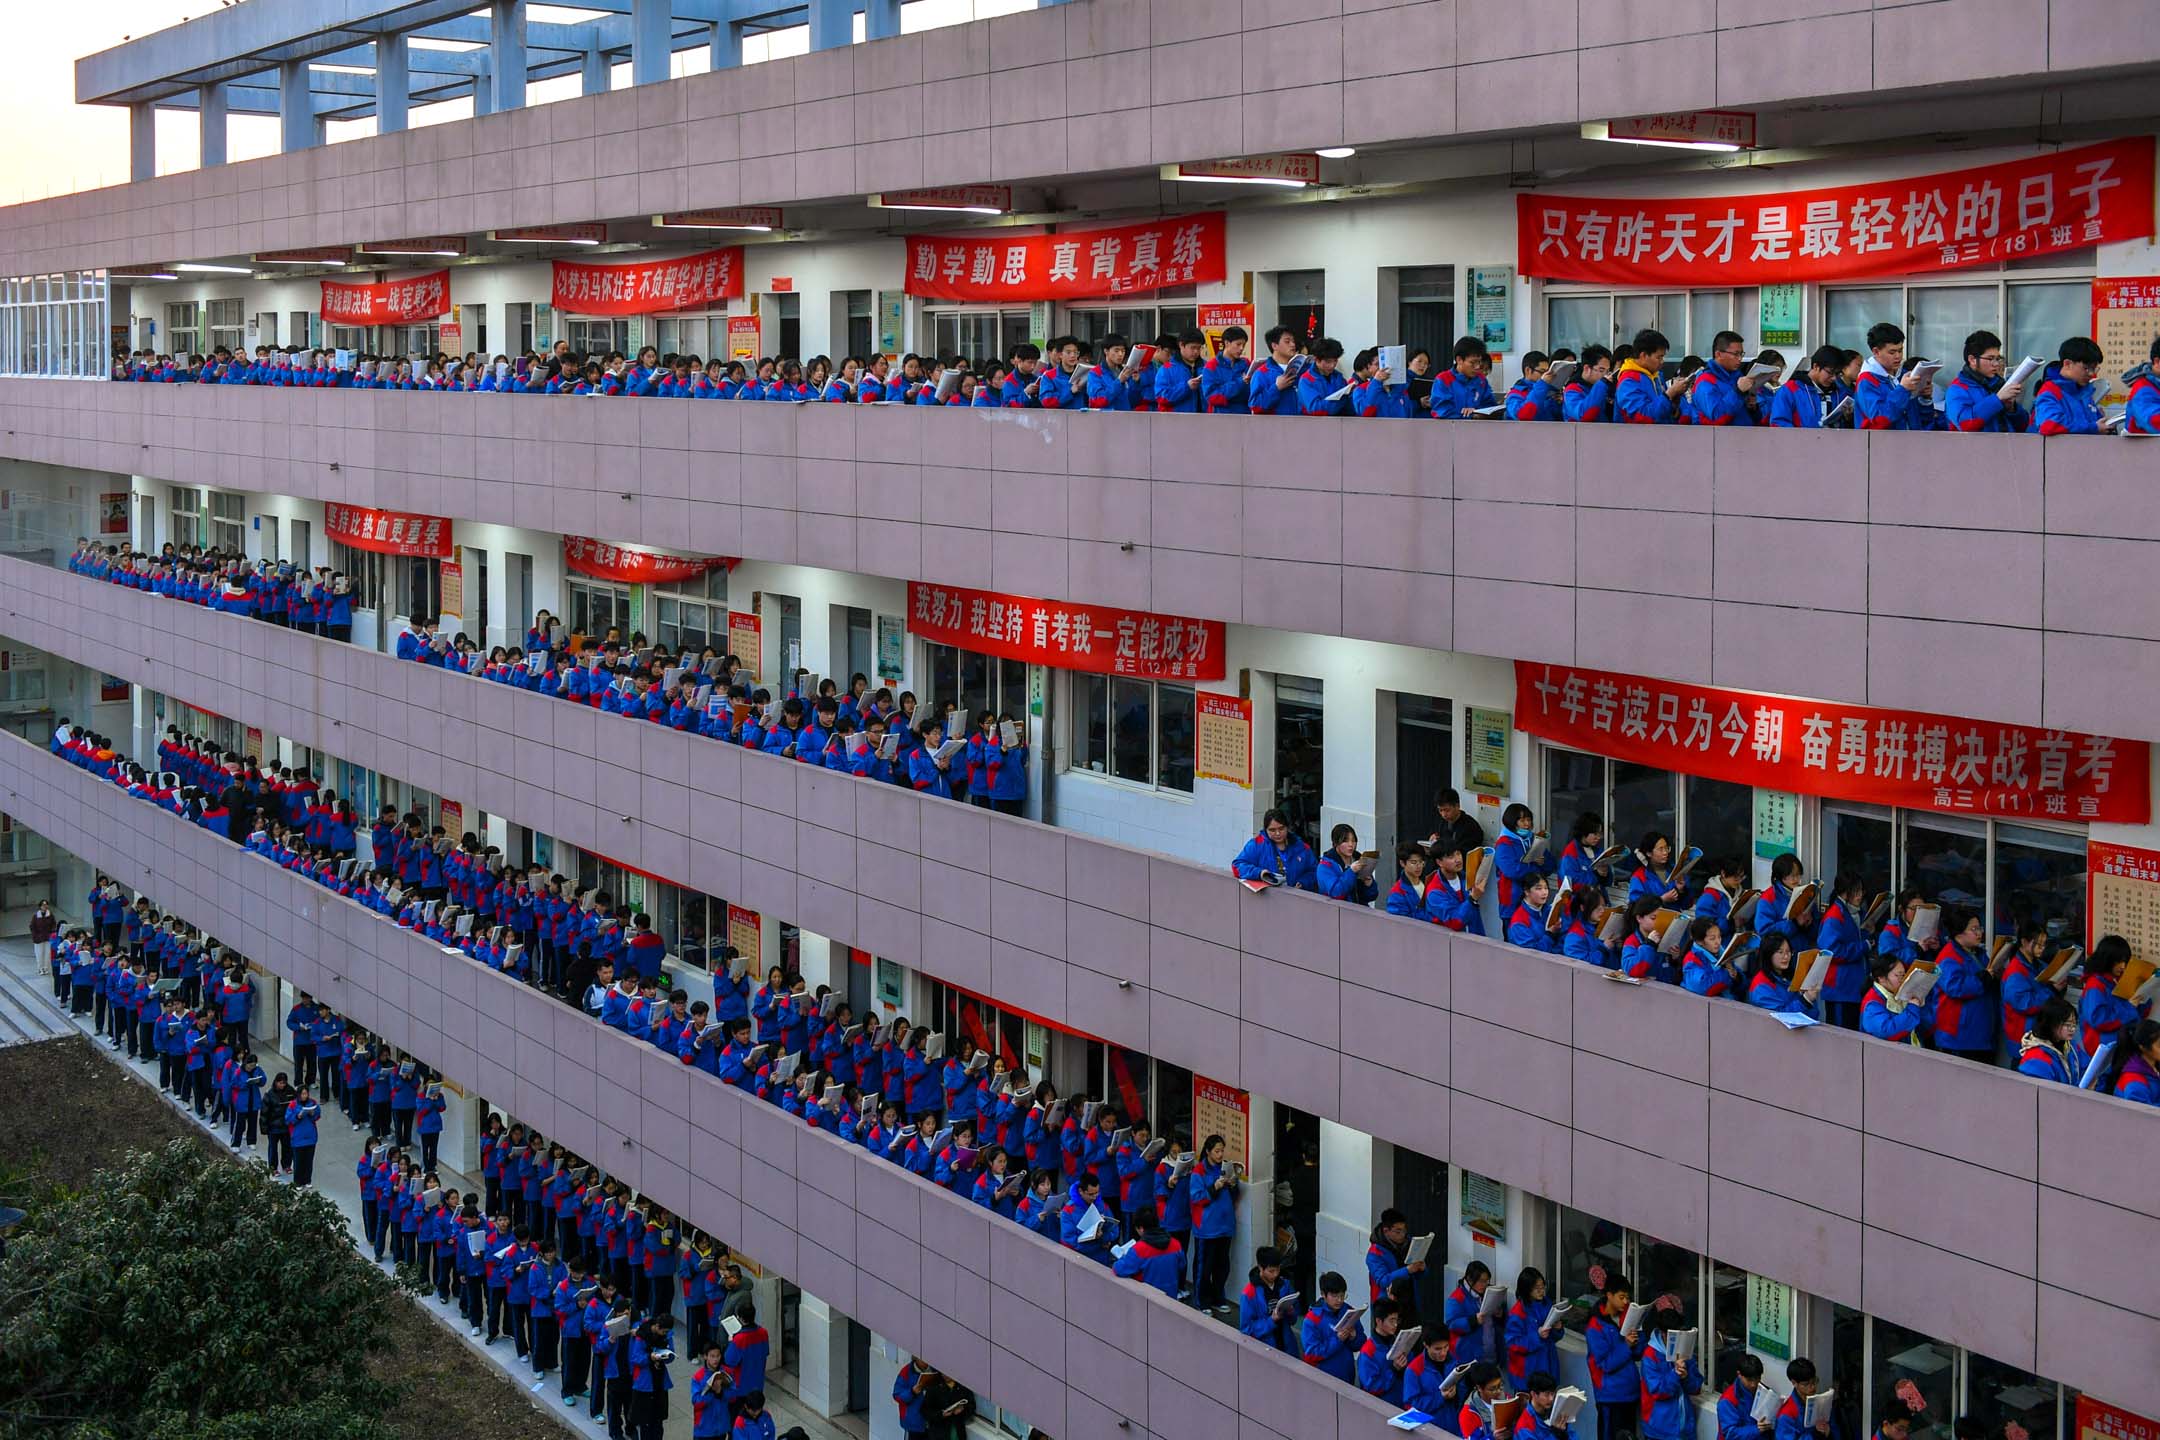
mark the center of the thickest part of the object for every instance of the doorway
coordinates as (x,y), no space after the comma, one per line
(298,552)
(1297,1194)
(1424,761)
(1298,755)
(1421,1193)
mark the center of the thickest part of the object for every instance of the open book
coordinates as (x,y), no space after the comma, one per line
(1476,864)
(1562,373)
(1092,1225)
(949,748)
(1406,1343)
(1566,1405)
(1915,990)
(2140,981)
(1602,862)
(948,385)
(1766,1405)
(934,1048)
(1680,1345)
(1631,1323)
(1878,910)
(2061,964)
(1612,927)
(2098,1067)
(1348,1325)
(1286,1308)
(1811,971)
(1505,1413)
(1487,412)
(1494,1304)
(1743,909)
(1672,931)
(1817,1409)
(1800,908)
(1927,919)
(1008,734)
(2025,370)
(1420,1247)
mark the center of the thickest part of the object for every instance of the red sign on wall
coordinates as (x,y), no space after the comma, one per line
(1846,752)
(631,567)
(1101,639)
(2098,1420)
(387,302)
(2067,200)
(387,532)
(1074,264)
(649,286)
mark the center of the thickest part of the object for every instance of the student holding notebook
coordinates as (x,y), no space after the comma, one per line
(2138,1077)
(1964,1023)
(1980,399)
(2102,1013)
(2050,1050)
(1770,984)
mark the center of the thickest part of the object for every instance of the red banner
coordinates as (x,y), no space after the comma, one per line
(388,302)
(649,286)
(1071,265)
(388,532)
(1845,752)
(2067,200)
(631,567)
(1098,638)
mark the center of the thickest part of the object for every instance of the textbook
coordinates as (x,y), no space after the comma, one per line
(1878,910)
(1766,1405)
(1539,844)
(475,1242)
(833,1001)
(2025,370)
(1800,908)
(1817,1408)
(934,1048)
(1286,1307)
(1743,908)
(1494,1304)
(1915,990)
(732,1324)
(2139,982)
(1762,370)
(888,747)
(1811,970)
(951,747)
(1487,412)
(1092,1225)
(431,1198)
(2000,952)
(2098,1067)
(1008,734)
(1154,1149)
(1672,931)
(756,1057)
(1680,1345)
(1180,1167)
(940,1140)
(1475,864)
(1506,1413)
(1925,369)
(1120,1251)
(618,1326)
(1088,1111)
(1138,359)
(785,1067)
(1265,880)
(738,967)
(1612,927)
(1347,1326)
(1838,416)
(1566,1405)
(976,1066)
(948,385)
(1631,1322)
(2061,964)
(1405,1343)
(1118,1138)
(464,925)
(1562,373)
(1925,921)
(1420,1247)
(1741,942)
(1560,1311)
(1689,859)
(1602,861)
(1339,394)
(1619,977)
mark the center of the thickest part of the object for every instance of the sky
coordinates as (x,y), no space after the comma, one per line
(88,147)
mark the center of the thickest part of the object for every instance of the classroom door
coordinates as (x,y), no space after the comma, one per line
(1424,765)
(1298,754)
(1297,1194)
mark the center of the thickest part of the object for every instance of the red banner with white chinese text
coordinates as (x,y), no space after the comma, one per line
(632,567)
(387,302)
(1844,752)
(1070,265)
(1102,639)
(649,286)
(2066,200)
(387,532)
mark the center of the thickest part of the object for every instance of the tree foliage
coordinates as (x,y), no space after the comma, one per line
(184,1297)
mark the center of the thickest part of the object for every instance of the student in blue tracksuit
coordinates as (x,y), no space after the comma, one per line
(1459,1314)
(1512,852)
(2049,1049)
(1667,1384)
(1271,387)
(1887,396)
(1615,1376)
(1154,1258)
(1212,1193)
(1877,1017)
(2067,403)
(1720,393)
(1771,917)
(1222,379)
(1277,851)
(1319,1339)
(1376,393)
(1377,1375)
(1770,979)
(1465,386)
(2142,414)
(1533,397)
(1841,934)
(1641,395)
(1526,923)
(1977,400)
(1339,876)
(927,771)
(1086,1195)
(1260,1300)
(1964,1020)
(1449,898)
(2102,1014)
(1387,1255)
(1179,382)
(1107,386)
(1588,397)
(1802,402)
(1317,386)
(1530,1339)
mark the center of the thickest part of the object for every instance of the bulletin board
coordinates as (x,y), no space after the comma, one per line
(1225,1111)
(745,641)
(2122,896)
(1222,739)
(2126,317)
(743,933)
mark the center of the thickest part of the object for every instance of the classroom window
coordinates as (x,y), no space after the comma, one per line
(1137,323)
(349,337)
(187,519)
(1688,319)
(2032,315)
(419,586)
(974,682)
(299,327)
(1714,816)
(861,336)
(691,335)
(183,328)
(1425,309)
(517,329)
(228,521)
(595,605)
(22,682)
(597,337)
(20,847)
(788,310)
(228,325)
(1137,731)
(365,569)
(55,325)
(693,615)
(980,336)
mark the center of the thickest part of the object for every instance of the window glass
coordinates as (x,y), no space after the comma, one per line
(1578,320)
(1131,730)
(1661,1270)
(1901,1355)
(1997,1393)
(2039,875)
(1942,316)
(1173,1098)
(1720,819)
(1851,312)
(1857,841)
(1574,783)
(1947,859)
(1709,311)
(1092,740)
(1590,1248)
(2043,316)
(1666,314)
(1174,750)
(1643,799)
(1728,1324)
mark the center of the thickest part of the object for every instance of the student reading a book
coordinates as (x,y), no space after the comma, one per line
(1844,935)
(1736,1407)
(1703,969)
(1615,1377)
(1887,394)
(1277,854)
(1586,841)
(1588,397)
(1641,395)
(1892,940)
(1342,875)
(1223,376)
(1407,895)
(2137,1072)
(2067,401)
(1424,1389)
(1542,1417)
(1178,382)
(1640,955)
(1212,1194)
(1260,1303)
(1654,875)
(1882,1013)
(1964,1021)
(1271,388)
(1321,389)
(1533,396)
(1519,852)
(1379,1372)
(1667,1382)
(1787,874)
(1449,896)
(1728,877)
(928,771)
(2022,990)
(1720,393)
(1459,1313)
(2141,416)
(1484,1388)
(2049,1049)
(1387,1257)
(1770,979)
(1526,925)
(1531,1337)
(1329,1337)
(1154,1258)
(1581,940)
(2102,1013)
(1464,388)
(1980,398)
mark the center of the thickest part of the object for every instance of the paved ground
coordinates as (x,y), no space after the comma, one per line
(27,1012)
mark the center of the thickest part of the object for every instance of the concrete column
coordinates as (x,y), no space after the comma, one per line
(211,113)
(297,129)
(1256,1204)
(1357,1177)
(832,24)
(393,85)
(821,1366)
(506,52)
(819,961)
(881,19)
(596,73)
(142,141)
(726,45)
(652,30)
(483,92)
(885,1362)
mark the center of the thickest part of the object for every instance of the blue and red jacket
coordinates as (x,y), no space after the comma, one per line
(1107,390)
(1970,404)
(2022,996)
(1174,390)
(1962,1021)
(1455,395)
(1881,403)
(1315,391)
(1614,1375)
(1716,399)
(1222,385)
(1847,943)
(2102,1014)
(2144,407)
(1879,1020)
(1263,396)
(1587,404)
(1799,404)
(1161,1266)
(2064,407)
(2043,1061)
(2138,1082)
(1533,400)
(1639,398)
